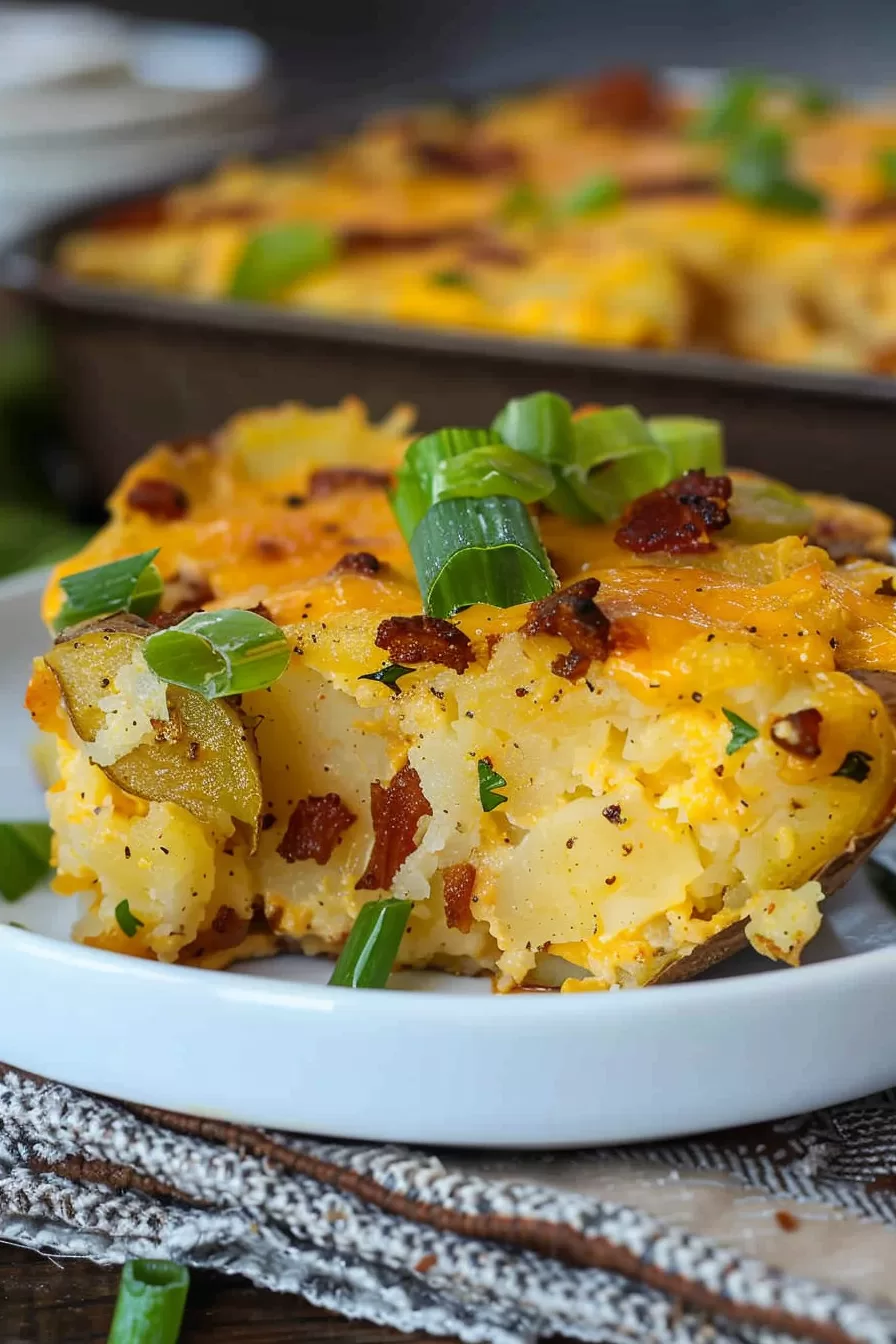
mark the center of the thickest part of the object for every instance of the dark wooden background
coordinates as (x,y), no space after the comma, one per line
(71,1302)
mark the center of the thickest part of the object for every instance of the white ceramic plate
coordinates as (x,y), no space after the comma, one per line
(433,1060)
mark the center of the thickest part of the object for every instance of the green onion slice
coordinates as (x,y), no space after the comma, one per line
(691,442)
(489,782)
(152,1295)
(485,550)
(764,510)
(369,954)
(492,470)
(24,856)
(522,202)
(616,459)
(276,257)
(452,279)
(758,172)
(413,495)
(133,584)
(127,921)
(594,195)
(388,676)
(219,653)
(541,426)
(730,112)
(741,732)
(886,163)
(856,765)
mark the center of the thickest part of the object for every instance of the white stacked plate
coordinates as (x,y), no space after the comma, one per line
(91,101)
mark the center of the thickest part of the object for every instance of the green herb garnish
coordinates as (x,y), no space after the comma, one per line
(856,765)
(451,279)
(522,202)
(758,172)
(489,781)
(594,195)
(277,257)
(741,732)
(127,922)
(149,1309)
(730,112)
(133,584)
(24,856)
(369,954)
(388,676)
(219,653)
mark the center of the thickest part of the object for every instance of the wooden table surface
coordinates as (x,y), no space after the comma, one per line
(71,1302)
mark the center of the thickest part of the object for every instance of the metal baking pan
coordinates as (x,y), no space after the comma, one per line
(136,368)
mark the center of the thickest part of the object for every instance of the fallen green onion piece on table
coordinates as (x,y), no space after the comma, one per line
(277,257)
(219,653)
(152,1295)
(369,954)
(24,856)
(133,584)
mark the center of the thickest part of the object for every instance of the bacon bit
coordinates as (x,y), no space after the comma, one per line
(397,811)
(425,1263)
(228,929)
(492,251)
(358,562)
(261,610)
(798,733)
(458,882)
(425,639)
(268,820)
(679,517)
(160,500)
(330,480)
(315,829)
(788,1222)
(572,614)
(886,588)
(613,813)
(375,239)
(270,548)
(465,160)
(624,100)
(197,594)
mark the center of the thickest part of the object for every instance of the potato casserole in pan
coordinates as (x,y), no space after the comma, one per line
(759,222)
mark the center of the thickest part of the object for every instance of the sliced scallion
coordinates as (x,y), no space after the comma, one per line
(742,732)
(389,676)
(616,459)
(413,495)
(522,202)
(152,1295)
(369,954)
(277,257)
(484,550)
(24,856)
(489,782)
(758,172)
(450,278)
(492,470)
(691,442)
(730,112)
(594,195)
(541,426)
(219,653)
(133,584)
(126,920)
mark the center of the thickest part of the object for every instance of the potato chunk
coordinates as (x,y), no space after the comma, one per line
(202,757)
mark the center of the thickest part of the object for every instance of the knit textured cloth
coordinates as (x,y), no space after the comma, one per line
(504,1249)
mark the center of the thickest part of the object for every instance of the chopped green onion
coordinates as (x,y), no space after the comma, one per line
(388,676)
(764,510)
(413,495)
(758,172)
(886,163)
(24,856)
(730,113)
(493,469)
(369,954)
(277,257)
(489,781)
(451,279)
(152,1295)
(485,550)
(691,441)
(127,922)
(741,732)
(522,202)
(133,584)
(616,459)
(541,426)
(856,765)
(219,653)
(594,195)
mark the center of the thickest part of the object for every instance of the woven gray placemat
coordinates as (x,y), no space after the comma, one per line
(411,1240)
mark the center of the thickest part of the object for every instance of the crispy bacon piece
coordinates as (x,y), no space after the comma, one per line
(397,811)
(315,828)
(261,610)
(358,562)
(195,596)
(885,588)
(572,614)
(488,249)
(465,158)
(425,639)
(330,480)
(373,238)
(458,882)
(270,548)
(798,733)
(625,100)
(228,929)
(679,517)
(160,500)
